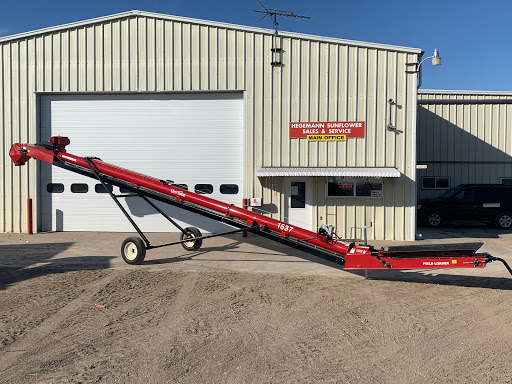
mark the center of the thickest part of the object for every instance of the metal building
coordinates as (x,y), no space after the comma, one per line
(464,137)
(228,110)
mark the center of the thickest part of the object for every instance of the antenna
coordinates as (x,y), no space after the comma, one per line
(275,12)
(277,51)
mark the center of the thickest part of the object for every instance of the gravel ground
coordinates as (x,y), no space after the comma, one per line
(246,311)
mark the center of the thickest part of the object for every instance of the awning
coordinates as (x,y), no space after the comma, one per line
(315,171)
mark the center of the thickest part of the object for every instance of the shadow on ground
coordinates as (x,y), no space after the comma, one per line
(277,249)
(27,261)
(422,277)
(451,232)
(434,277)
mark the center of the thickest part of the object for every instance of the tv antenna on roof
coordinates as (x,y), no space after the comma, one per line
(275,12)
(277,51)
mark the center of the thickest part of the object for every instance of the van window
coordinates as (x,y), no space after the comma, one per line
(465,195)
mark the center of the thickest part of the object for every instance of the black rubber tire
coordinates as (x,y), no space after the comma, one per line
(192,245)
(503,220)
(133,250)
(434,219)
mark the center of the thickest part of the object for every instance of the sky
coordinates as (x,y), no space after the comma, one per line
(472,37)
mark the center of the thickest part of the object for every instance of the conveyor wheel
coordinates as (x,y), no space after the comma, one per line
(133,250)
(190,233)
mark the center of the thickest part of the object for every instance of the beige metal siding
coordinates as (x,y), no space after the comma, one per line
(466,136)
(319,81)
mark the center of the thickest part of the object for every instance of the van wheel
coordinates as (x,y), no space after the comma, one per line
(434,220)
(503,220)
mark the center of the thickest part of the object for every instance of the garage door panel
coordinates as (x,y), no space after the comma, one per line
(190,139)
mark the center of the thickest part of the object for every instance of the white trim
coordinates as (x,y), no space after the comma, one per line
(265,31)
(412,165)
(312,171)
(472,93)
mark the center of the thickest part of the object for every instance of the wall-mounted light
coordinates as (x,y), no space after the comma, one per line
(436,60)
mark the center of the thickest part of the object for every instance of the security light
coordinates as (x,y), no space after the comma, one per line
(436,59)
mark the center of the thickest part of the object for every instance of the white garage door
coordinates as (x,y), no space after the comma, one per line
(191,139)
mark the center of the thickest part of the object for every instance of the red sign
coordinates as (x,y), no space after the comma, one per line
(347,128)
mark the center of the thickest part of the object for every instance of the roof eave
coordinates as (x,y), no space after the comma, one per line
(136,13)
(463,92)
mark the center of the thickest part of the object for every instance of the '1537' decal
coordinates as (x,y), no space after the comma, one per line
(285,227)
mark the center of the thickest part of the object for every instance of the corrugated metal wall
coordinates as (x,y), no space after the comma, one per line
(319,81)
(466,136)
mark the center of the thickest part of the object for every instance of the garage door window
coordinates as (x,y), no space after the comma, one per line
(99,188)
(79,188)
(181,186)
(229,189)
(203,189)
(55,188)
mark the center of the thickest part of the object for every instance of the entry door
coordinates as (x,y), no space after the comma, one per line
(299,201)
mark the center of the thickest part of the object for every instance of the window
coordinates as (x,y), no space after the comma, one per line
(493,194)
(203,189)
(338,186)
(79,188)
(506,180)
(298,194)
(124,190)
(181,186)
(55,188)
(99,188)
(435,183)
(467,195)
(369,187)
(229,189)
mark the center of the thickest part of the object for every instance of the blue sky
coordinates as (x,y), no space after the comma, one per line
(473,37)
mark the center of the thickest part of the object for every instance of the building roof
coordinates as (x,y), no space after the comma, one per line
(469,93)
(208,23)
(327,171)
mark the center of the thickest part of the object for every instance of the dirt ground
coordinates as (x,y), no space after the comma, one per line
(71,311)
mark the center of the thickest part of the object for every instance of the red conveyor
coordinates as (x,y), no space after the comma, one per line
(324,243)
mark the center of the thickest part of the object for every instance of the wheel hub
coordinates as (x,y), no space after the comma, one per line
(130,251)
(434,220)
(505,221)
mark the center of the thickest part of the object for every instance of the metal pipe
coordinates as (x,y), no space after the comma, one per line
(29,216)
(244,206)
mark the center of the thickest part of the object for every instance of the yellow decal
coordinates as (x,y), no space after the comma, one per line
(454,261)
(327,137)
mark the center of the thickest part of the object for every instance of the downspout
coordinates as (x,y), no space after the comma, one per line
(419,74)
